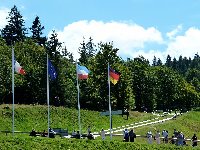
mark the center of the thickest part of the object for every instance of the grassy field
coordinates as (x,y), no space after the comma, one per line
(28,117)
(39,143)
(188,123)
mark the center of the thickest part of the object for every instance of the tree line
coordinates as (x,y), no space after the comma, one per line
(174,84)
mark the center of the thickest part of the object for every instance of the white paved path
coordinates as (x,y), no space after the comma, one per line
(139,124)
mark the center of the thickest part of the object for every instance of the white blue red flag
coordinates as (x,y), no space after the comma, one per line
(82,72)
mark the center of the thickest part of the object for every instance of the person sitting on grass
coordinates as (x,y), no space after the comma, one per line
(43,134)
(33,133)
(78,136)
(172,141)
(90,136)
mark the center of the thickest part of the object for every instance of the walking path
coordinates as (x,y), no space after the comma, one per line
(138,124)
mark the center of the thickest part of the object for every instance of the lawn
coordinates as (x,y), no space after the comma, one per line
(28,117)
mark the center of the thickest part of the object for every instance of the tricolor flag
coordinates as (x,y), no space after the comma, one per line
(114,76)
(19,69)
(82,72)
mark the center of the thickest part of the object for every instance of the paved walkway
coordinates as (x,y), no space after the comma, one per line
(138,124)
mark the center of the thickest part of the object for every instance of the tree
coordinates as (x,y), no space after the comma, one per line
(154,61)
(36,30)
(168,90)
(174,64)
(99,76)
(66,53)
(86,51)
(5,72)
(193,77)
(168,61)
(54,47)
(159,63)
(140,82)
(15,30)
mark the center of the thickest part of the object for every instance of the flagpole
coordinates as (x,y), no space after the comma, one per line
(48,92)
(79,114)
(13,92)
(109,102)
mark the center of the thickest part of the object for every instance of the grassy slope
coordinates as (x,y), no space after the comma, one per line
(28,117)
(188,123)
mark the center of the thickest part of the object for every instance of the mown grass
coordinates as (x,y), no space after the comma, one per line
(35,143)
(188,123)
(28,117)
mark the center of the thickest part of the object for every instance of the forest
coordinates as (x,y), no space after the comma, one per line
(144,84)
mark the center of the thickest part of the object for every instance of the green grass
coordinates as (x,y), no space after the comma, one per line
(188,123)
(29,116)
(24,142)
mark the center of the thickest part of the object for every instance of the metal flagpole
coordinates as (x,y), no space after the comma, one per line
(48,91)
(79,114)
(109,102)
(13,92)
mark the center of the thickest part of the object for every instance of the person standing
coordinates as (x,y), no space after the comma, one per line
(194,140)
(88,130)
(103,134)
(132,135)
(149,137)
(157,137)
(126,135)
(165,136)
(180,138)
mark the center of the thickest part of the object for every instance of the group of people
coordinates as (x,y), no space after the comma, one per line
(78,136)
(177,138)
(129,135)
(43,134)
(180,138)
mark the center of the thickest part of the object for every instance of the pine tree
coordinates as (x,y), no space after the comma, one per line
(15,30)
(86,51)
(154,61)
(168,61)
(159,62)
(36,30)
(54,47)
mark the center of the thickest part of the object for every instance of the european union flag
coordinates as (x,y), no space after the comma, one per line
(52,71)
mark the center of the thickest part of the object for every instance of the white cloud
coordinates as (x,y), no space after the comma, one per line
(126,36)
(150,55)
(174,32)
(132,39)
(186,45)
(3,15)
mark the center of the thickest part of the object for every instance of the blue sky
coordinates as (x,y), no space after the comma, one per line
(137,27)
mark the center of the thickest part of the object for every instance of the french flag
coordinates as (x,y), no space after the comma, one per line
(19,69)
(82,72)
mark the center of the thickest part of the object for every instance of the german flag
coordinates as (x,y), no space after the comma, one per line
(114,76)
